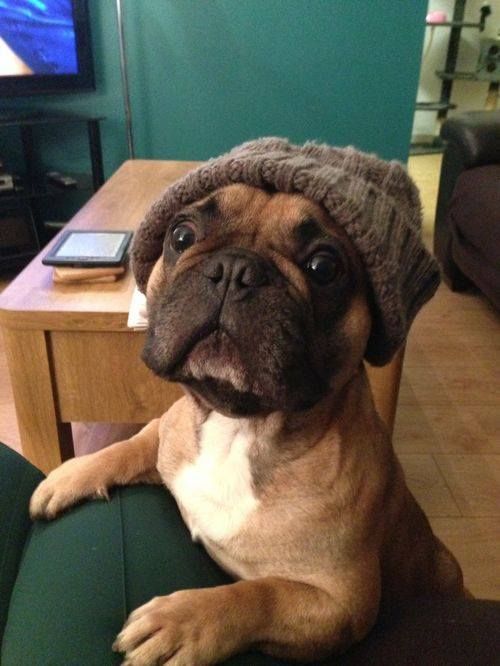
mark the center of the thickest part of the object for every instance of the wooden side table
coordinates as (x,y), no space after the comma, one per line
(71,356)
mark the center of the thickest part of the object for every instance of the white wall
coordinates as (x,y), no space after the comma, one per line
(468,95)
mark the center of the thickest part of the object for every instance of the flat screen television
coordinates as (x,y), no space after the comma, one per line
(44,47)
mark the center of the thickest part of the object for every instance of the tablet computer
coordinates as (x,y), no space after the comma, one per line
(89,249)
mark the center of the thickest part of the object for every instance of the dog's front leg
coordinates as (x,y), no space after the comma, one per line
(129,461)
(283,618)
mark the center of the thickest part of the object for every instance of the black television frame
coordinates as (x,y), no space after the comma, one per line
(41,84)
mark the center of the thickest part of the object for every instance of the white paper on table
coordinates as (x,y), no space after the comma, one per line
(137,314)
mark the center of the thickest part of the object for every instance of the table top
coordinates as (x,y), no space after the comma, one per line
(33,301)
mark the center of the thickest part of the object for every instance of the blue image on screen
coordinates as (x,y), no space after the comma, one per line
(41,33)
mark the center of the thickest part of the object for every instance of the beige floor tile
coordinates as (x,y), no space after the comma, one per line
(447,428)
(428,486)
(424,170)
(474,481)
(457,307)
(458,341)
(452,350)
(475,544)
(445,385)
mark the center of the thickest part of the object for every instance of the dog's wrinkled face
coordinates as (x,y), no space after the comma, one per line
(257,303)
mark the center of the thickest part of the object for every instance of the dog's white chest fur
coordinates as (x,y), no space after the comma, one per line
(215,491)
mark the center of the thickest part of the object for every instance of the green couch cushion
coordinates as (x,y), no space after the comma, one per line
(82,574)
(18,479)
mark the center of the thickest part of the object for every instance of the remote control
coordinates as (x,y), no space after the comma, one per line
(59,179)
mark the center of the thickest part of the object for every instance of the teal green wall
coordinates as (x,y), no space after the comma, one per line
(206,75)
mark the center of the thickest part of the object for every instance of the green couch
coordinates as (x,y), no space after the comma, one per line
(67,586)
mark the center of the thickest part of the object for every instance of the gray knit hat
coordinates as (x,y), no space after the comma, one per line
(375,202)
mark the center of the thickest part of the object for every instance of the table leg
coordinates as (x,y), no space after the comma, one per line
(384,382)
(95,153)
(45,441)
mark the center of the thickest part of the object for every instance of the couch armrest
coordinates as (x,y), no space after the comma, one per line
(472,140)
(476,135)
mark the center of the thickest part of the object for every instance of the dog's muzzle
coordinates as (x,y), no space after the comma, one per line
(236,273)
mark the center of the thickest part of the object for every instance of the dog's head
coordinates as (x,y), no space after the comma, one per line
(258,302)
(269,255)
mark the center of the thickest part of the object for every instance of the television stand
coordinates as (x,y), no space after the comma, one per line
(34,197)
(29,118)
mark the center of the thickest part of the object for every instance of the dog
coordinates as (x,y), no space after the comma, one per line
(260,307)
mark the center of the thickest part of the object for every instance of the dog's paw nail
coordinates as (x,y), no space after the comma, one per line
(116,647)
(102,493)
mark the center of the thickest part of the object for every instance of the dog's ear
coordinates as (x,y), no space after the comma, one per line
(379,347)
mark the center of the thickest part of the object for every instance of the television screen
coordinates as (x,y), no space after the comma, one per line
(44,46)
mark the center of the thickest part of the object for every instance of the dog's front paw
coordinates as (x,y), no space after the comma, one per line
(68,484)
(185,628)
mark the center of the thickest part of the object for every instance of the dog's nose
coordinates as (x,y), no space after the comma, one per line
(239,270)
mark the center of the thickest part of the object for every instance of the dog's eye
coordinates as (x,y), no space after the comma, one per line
(323,267)
(182,237)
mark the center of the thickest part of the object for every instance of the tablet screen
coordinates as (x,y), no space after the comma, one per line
(98,245)
(89,248)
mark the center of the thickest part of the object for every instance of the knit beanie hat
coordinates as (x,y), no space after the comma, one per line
(375,202)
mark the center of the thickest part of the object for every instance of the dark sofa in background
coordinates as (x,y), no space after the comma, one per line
(467,230)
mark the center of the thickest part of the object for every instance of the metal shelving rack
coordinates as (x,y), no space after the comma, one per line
(449,74)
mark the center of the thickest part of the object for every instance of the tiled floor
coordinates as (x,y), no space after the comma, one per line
(447,430)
